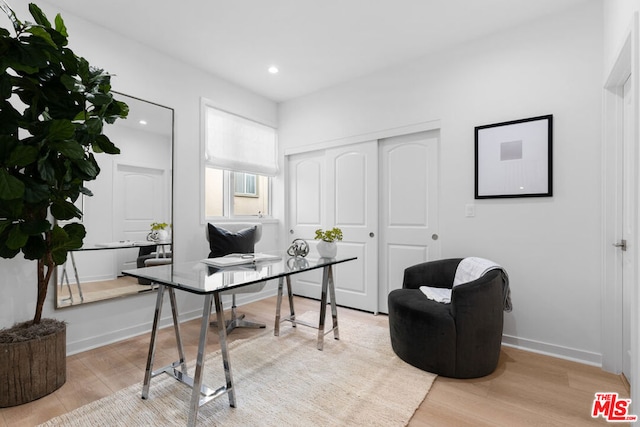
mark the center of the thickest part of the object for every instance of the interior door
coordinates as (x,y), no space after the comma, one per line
(628,201)
(338,187)
(144,194)
(409,207)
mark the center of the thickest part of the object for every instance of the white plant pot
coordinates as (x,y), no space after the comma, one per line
(327,249)
(163,235)
(158,236)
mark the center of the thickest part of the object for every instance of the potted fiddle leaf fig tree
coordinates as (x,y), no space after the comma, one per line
(53,106)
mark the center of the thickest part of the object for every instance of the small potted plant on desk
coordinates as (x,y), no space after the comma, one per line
(327,247)
(159,232)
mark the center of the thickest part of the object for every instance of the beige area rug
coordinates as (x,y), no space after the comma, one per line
(281,381)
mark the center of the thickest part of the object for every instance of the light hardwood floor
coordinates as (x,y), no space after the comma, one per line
(527,389)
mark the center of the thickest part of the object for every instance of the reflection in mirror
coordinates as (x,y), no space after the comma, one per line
(132,192)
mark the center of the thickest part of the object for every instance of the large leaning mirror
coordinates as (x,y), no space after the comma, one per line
(132,200)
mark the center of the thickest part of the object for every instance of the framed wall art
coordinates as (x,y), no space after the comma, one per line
(514,159)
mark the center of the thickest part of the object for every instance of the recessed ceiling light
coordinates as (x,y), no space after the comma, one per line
(273,69)
(143,122)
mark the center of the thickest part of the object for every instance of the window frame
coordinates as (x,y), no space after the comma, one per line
(228,193)
(245,193)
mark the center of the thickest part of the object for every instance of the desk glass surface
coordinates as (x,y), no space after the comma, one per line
(200,278)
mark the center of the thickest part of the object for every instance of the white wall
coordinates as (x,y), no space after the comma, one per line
(143,73)
(551,247)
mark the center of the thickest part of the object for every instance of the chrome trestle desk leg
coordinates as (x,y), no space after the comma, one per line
(181,362)
(327,287)
(148,373)
(201,393)
(198,387)
(176,329)
(65,277)
(292,316)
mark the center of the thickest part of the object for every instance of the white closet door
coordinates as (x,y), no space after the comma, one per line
(338,187)
(307,199)
(409,207)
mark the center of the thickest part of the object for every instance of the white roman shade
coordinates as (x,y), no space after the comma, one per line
(238,144)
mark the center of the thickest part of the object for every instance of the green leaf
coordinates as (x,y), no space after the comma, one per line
(86,191)
(5,252)
(35,247)
(10,186)
(60,130)
(43,34)
(16,238)
(60,27)
(63,210)
(7,144)
(105,145)
(94,126)
(46,170)
(4,223)
(9,120)
(59,256)
(70,149)
(62,240)
(100,99)
(68,81)
(5,86)
(35,192)
(35,227)
(87,167)
(39,16)
(11,209)
(22,155)
(76,233)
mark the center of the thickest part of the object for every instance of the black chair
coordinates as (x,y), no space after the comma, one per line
(148,256)
(460,339)
(235,238)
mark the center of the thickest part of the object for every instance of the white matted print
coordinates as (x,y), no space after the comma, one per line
(514,159)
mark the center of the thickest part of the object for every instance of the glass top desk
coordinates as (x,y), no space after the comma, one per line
(211,282)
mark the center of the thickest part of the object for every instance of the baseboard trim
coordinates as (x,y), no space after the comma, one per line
(562,352)
(166,321)
(567,353)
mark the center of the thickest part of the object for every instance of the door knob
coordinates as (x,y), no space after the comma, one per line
(372,234)
(622,245)
(434,237)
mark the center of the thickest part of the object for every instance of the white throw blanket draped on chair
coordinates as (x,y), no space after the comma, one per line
(468,270)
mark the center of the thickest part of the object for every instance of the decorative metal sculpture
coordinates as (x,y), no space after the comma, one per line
(299,247)
(297,263)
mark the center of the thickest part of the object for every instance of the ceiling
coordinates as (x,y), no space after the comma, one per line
(315,44)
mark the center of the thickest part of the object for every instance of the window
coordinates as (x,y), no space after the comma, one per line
(245,184)
(240,157)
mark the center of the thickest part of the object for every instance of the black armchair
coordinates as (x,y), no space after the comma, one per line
(460,339)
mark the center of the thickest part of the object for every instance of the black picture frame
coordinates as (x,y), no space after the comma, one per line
(514,159)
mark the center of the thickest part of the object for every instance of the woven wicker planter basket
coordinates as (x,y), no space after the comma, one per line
(32,369)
